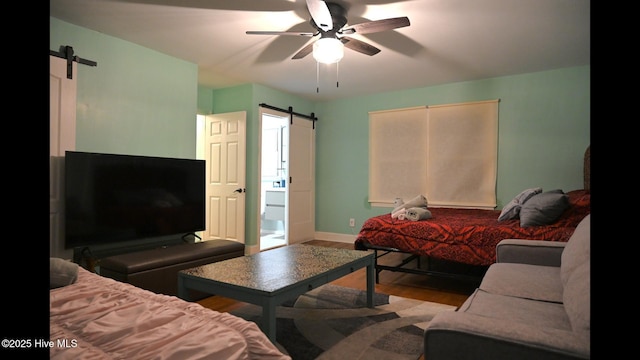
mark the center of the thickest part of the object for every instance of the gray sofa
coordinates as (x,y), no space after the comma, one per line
(533,303)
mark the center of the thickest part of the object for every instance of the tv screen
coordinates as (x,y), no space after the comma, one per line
(113,198)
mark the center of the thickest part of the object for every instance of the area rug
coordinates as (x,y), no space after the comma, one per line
(333,322)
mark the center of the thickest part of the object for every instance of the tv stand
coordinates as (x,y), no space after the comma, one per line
(157,269)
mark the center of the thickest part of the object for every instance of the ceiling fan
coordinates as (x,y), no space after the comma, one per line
(330,21)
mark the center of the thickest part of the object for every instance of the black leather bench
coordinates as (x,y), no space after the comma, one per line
(157,269)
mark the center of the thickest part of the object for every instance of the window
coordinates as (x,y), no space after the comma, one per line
(446,152)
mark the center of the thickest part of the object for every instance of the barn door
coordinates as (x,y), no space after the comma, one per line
(62,137)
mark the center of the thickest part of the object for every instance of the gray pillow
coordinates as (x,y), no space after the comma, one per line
(62,273)
(512,209)
(544,208)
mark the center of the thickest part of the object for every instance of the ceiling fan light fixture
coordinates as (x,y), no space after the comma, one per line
(328,50)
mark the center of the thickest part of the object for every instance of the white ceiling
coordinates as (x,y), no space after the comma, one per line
(447,41)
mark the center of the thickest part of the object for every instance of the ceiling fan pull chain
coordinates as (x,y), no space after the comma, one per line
(317,77)
(337,75)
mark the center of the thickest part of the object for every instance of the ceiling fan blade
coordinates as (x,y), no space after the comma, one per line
(304,51)
(280,33)
(376,26)
(359,46)
(320,14)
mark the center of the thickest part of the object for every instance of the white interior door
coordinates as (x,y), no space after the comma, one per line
(225,155)
(62,137)
(301,187)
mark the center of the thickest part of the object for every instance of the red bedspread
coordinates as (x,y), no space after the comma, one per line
(467,236)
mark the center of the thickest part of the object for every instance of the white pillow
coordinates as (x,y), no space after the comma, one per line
(512,209)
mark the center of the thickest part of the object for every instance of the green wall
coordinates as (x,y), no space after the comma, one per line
(544,129)
(135,101)
(140,101)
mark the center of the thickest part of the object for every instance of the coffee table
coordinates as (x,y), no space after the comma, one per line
(272,277)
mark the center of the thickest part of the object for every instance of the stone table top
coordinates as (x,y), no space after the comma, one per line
(278,268)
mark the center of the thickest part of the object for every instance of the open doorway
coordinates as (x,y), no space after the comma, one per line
(274,174)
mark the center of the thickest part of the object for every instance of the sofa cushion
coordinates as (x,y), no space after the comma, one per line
(578,249)
(577,299)
(531,312)
(542,282)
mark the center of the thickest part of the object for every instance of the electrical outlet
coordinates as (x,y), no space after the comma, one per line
(352,222)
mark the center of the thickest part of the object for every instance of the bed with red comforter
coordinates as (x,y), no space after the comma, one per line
(467,236)
(464,236)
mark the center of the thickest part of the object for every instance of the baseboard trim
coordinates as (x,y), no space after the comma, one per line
(342,238)
(251,249)
(325,236)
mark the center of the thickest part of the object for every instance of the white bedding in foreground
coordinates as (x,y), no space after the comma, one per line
(100,318)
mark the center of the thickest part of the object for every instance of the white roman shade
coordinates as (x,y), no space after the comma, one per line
(448,153)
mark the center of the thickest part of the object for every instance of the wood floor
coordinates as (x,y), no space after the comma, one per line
(416,286)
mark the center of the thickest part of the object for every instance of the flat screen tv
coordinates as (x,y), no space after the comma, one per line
(113,198)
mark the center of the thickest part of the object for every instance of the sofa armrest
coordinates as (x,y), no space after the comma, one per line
(534,252)
(461,336)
